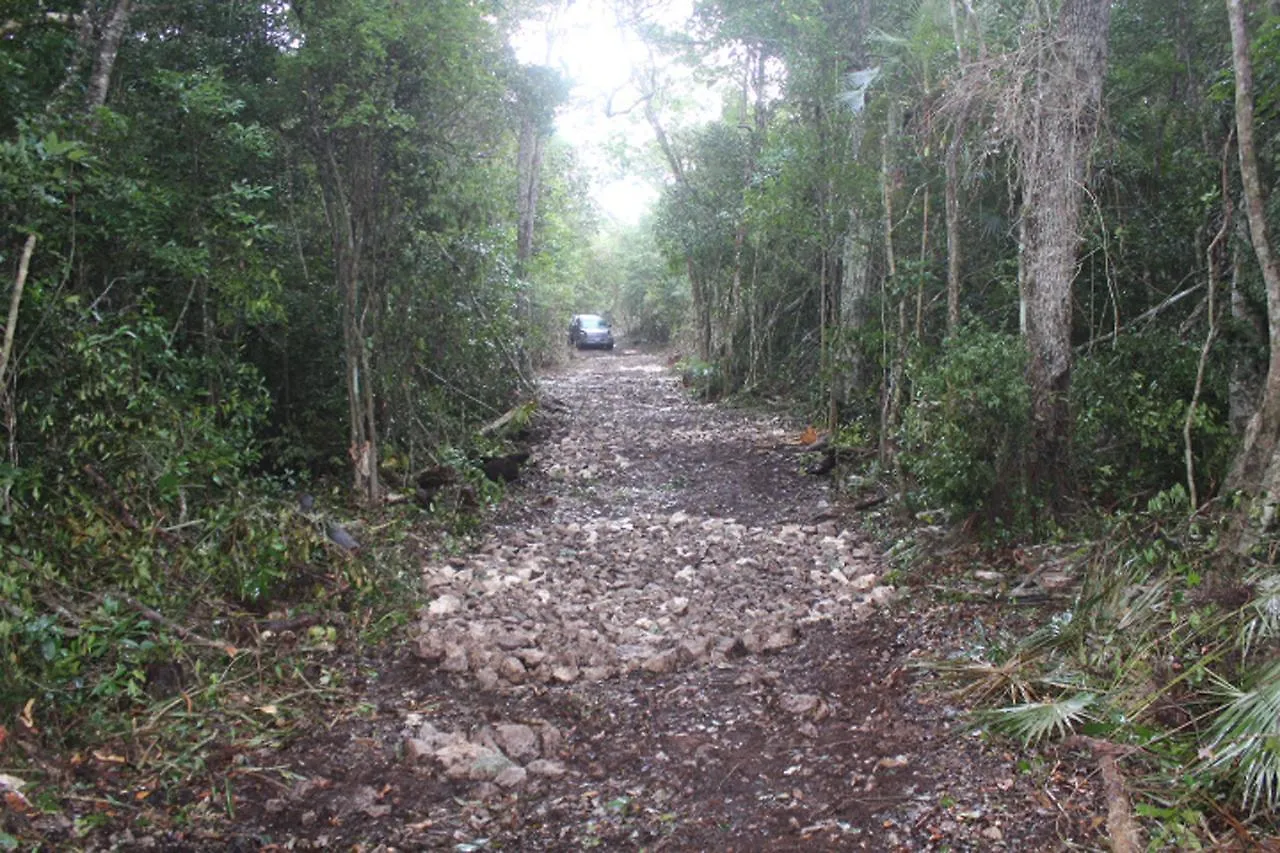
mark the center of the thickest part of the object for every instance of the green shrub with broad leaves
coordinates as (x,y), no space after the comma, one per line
(964,435)
(1131,403)
(131,480)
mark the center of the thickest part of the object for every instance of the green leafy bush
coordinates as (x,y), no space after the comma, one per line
(965,432)
(131,480)
(1131,403)
(116,416)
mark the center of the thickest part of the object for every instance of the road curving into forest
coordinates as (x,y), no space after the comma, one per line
(670,638)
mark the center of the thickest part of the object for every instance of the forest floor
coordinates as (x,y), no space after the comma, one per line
(670,638)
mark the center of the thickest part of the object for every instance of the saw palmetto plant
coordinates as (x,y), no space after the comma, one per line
(1243,743)
(1147,658)
(1033,722)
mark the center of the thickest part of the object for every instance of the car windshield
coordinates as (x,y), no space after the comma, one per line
(593,323)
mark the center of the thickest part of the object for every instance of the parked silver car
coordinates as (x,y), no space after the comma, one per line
(590,330)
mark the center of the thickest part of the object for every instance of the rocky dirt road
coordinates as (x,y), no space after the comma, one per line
(670,639)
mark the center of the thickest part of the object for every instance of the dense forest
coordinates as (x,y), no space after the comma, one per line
(1016,257)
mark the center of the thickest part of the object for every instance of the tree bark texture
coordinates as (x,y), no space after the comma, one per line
(851,298)
(1257,467)
(348,199)
(753,83)
(1061,119)
(104,59)
(952,216)
(529,167)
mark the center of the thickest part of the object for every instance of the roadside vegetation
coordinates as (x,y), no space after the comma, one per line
(269,264)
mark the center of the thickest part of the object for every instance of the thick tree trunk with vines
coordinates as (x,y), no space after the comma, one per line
(1257,467)
(1061,118)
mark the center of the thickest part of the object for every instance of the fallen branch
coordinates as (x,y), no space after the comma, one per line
(1247,839)
(1121,827)
(1149,314)
(278,625)
(873,501)
(156,618)
(504,419)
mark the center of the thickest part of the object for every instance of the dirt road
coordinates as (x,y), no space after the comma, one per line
(670,639)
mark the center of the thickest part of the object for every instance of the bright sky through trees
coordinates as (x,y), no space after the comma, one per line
(585,41)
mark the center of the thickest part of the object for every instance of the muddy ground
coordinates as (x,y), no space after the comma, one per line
(671,638)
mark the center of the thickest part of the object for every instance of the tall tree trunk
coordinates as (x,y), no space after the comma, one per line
(852,308)
(1245,381)
(699,290)
(528,178)
(347,225)
(1257,467)
(895,368)
(852,295)
(529,166)
(952,216)
(104,59)
(1053,151)
(8,392)
(924,259)
(753,82)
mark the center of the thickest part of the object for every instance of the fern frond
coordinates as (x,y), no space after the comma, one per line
(1035,721)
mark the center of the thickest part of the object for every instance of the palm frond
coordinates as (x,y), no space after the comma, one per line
(855,97)
(1142,607)
(1264,623)
(1056,634)
(1034,721)
(1244,740)
(981,681)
